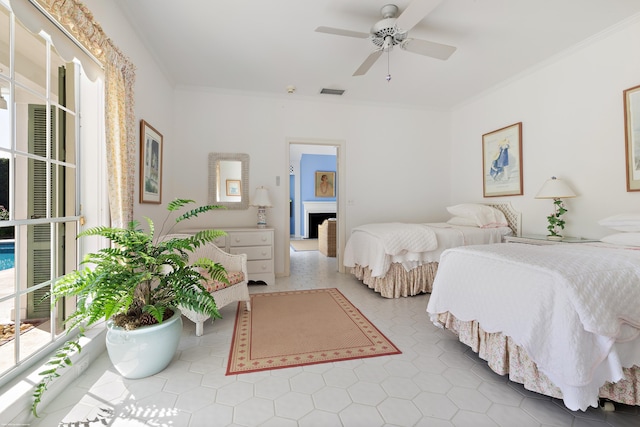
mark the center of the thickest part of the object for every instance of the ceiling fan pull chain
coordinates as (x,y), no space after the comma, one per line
(388,66)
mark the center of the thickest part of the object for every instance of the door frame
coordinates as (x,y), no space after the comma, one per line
(340,146)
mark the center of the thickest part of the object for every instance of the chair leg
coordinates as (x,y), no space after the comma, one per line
(199,329)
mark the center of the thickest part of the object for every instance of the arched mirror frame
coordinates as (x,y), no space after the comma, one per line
(214,162)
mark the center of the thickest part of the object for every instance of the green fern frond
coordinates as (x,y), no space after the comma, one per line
(178,203)
(58,361)
(197,211)
(157,311)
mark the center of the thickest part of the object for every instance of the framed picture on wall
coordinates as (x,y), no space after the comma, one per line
(150,164)
(502,162)
(325,184)
(632,136)
(234,187)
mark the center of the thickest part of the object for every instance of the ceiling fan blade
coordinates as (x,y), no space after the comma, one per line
(415,12)
(427,48)
(341,32)
(371,59)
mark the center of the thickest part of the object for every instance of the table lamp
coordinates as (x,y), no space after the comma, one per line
(557,190)
(262,201)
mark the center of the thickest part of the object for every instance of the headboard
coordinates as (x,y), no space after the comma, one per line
(514,218)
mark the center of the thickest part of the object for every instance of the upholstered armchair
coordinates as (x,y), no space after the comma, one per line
(236,290)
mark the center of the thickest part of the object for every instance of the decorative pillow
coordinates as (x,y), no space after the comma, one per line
(622,222)
(484,216)
(460,220)
(234,277)
(625,239)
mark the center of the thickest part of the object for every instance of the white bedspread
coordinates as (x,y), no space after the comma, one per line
(566,305)
(397,237)
(367,250)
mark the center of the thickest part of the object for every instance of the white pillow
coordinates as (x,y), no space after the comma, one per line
(626,239)
(484,216)
(622,222)
(460,220)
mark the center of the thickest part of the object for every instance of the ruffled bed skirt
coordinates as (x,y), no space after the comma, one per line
(399,282)
(505,357)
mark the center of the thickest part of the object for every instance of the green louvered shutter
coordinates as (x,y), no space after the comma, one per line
(39,235)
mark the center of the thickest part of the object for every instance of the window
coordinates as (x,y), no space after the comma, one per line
(40,192)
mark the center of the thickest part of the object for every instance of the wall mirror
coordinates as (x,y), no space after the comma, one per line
(229,180)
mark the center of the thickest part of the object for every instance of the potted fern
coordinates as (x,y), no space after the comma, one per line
(137,285)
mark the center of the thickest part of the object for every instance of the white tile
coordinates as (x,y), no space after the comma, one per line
(253,412)
(358,415)
(399,412)
(331,399)
(234,393)
(307,382)
(293,405)
(435,382)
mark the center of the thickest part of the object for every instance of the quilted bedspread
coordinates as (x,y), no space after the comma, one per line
(566,305)
(400,237)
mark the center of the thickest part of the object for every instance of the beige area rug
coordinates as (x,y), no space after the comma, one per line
(295,328)
(304,245)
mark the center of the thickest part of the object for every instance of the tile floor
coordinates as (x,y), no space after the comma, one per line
(436,381)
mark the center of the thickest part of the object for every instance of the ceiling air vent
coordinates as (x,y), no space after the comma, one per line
(326,91)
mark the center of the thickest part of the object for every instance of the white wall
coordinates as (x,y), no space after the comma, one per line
(396,158)
(571,111)
(404,164)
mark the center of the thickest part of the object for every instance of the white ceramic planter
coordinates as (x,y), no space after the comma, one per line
(144,351)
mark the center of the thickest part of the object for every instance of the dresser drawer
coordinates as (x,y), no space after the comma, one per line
(257,267)
(221,242)
(255,238)
(253,252)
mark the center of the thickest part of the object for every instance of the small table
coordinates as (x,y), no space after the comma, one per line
(541,239)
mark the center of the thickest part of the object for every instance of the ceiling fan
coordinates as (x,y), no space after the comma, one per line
(392,31)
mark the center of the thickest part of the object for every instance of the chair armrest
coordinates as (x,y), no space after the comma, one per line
(231,262)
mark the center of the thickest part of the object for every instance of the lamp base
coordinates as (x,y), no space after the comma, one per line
(262,217)
(554,238)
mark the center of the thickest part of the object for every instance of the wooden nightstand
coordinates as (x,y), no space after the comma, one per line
(541,239)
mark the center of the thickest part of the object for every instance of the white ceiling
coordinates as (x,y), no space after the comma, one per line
(265,46)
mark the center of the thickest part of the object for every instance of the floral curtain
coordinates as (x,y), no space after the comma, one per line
(119,97)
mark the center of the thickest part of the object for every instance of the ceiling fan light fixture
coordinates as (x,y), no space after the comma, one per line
(393,30)
(326,91)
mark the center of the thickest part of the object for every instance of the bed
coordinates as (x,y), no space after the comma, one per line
(407,267)
(563,320)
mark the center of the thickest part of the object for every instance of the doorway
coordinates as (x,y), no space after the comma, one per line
(296,148)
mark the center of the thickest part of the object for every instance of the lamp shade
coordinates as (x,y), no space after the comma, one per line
(555,188)
(261,198)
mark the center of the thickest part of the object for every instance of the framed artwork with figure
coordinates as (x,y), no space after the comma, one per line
(502,162)
(150,164)
(632,136)
(325,184)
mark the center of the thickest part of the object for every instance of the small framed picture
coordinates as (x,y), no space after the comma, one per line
(150,164)
(502,162)
(632,136)
(234,187)
(325,184)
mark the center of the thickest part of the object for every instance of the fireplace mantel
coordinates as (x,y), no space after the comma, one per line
(316,207)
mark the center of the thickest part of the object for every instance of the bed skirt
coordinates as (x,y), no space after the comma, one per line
(505,357)
(399,282)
